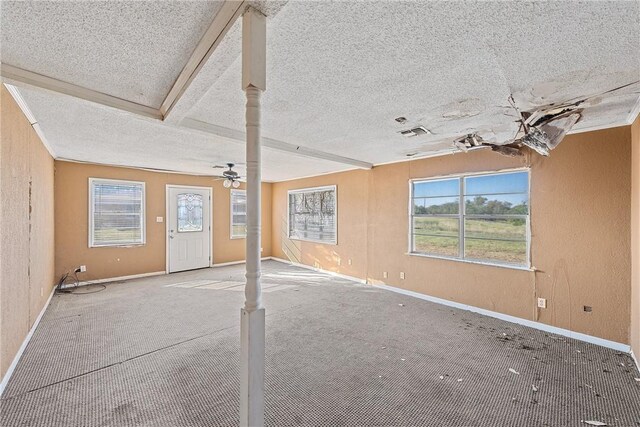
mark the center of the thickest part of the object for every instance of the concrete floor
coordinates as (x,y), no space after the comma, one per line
(164,351)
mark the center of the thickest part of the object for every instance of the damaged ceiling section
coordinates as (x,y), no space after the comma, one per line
(543,129)
(368,82)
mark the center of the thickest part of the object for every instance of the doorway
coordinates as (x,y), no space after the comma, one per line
(188,228)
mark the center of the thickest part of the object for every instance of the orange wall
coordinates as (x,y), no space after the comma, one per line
(71,215)
(580,221)
(635,240)
(26,228)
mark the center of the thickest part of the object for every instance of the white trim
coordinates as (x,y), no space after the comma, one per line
(461,177)
(635,359)
(166,221)
(314,176)
(25,342)
(320,270)
(507,318)
(473,261)
(143,213)
(231,236)
(598,127)
(242,261)
(113,279)
(222,22)
(239,137)
(635,111)
(512,319)
(333,188)
(45,82)
(17,96)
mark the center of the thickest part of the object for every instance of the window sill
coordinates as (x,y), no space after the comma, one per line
(237,237)
(333,242)
(128,245)
(469,261)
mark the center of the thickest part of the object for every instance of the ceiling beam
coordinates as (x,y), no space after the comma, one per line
(219,27)
(239,136)
(49,83)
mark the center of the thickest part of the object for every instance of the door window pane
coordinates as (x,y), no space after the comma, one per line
(189,212)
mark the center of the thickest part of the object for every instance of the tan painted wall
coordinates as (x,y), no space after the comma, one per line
(71,214)
(635,239)
(580,216)
(26,228)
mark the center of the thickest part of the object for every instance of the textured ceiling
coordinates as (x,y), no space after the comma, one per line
(130,49)
(338,75)
(84,131)
(340,72)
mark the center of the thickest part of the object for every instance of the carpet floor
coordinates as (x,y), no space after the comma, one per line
(164,351)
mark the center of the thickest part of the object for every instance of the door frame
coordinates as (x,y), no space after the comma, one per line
(166,220)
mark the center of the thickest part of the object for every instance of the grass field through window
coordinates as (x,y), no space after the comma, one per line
(487,239)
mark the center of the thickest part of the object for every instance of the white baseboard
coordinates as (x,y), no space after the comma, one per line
(635,359)
(16,359)
(242,261)
(518,320)
(320,270)
(507,318)
(114,279)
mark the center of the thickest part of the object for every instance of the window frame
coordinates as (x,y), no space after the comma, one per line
(231,235)
(462,215)
(333,188)
(143,213)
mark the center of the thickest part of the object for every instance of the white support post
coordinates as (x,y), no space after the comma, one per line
(252,315)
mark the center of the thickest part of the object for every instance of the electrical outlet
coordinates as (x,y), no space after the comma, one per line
(159,219)
(41,292)
(402,275)
(542,302)
(83,268)
(385,275)
(339,261)
(350,261)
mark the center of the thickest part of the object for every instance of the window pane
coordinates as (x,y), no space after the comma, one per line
(439,188)
(436,245)
(440,226)
(503,204)
(312,215)
(515,182)
(498,228)
(436,205)
(496,250)
(117,213)
(189,212)
(238,213)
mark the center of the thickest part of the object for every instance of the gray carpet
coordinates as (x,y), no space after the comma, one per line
(143,353)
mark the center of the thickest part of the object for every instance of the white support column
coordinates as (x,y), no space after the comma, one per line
(252,315)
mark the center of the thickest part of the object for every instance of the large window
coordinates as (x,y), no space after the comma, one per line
(116,213)
(475,217)
(238,214)
(312,214)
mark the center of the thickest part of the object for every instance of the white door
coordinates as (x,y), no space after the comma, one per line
(188,227)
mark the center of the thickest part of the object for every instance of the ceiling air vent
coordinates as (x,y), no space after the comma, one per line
(420,130)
